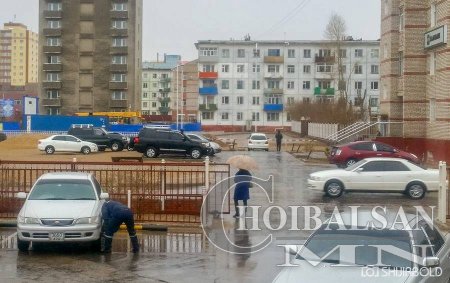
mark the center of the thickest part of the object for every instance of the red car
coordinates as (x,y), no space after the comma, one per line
(349,154)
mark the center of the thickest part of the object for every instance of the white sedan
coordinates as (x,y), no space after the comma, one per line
(258,141)
(377,175)
(66,143)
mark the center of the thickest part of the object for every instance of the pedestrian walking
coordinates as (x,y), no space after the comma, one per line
(242,190)
(114,214)
(279,138)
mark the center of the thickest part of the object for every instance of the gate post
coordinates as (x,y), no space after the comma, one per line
(73,165)
(442,198)
(205,205)
(163,184)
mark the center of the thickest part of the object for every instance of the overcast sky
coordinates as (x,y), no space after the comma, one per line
(173,26)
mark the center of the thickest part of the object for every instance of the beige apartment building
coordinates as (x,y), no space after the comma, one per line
(18,55)
(415,75)
(90,54)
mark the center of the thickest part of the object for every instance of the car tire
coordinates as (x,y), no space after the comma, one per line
(151,152)
(116,146)
(85,150)
(130,148)
(195,153)
(416,190)
(49,149)
(23,246)
(334,188)
(350,162)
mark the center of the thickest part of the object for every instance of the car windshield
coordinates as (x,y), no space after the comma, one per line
(195,137)
(63,190)
(356,165)
(258,138)
(325,242)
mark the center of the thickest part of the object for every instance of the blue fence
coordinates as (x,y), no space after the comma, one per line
(124,128)
(9,126)
(61,123)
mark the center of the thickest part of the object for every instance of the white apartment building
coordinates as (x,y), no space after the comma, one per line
(252,83)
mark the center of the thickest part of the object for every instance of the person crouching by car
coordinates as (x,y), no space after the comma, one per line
(241,191)
(114,214)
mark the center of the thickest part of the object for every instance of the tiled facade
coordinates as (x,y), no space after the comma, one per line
(187,86)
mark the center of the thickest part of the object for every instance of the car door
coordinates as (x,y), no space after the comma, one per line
(396,175)
(73,144)
(59,143)
(100,137)
(367,177)
(363,150)
(178,142)
(162,141)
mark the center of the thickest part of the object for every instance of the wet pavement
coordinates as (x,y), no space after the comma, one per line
(188,256)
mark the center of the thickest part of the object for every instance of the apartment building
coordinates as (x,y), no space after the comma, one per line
(18,55)
(157,80)
(187,88)
(90,55)
(250,84)
(415,75)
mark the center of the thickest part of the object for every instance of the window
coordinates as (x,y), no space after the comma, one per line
(53,77)
(241,53)
(225,116)
(239,116)
(208,51)
(256,53)
(119,6)
(255,116)
(53,41)
(374,85)
(120,60)
(324,52)
(306,85)
(290,100)
(307,53)
(240,100)
(358,53)
(291,53)
(225,100)
(291,69)
(53,24)
(393,165)
(375,53)
(52,94)
(53,111)
(154,95)
(256,84)
(373,166)
(119,42)
(118,77)
(373,102)
(374,69)
(240,68)
(343,69)
(307,69)
(273,68)
(343,53)
(145,104)
(324,68)
(208,115)
(145,95)
(273,84)
(256,68)
(273,116)
(433,15)
(255,100)
(225,84)
(225,53)
(119,95)
(273,52)
(358,85)
(53,59)
(119,24)
(368,146)
(401,19)
(432,110)
(306,100)
(240,84)
(155,76)
(290,85)
(145,85)
(324,84)
(358,69)
(225,68)
(209,68)
(54,6)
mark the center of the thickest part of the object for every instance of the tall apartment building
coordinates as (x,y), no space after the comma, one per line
(18,55)
(188,92)
(244,84)
(157,83)
(415,75)
(90,54)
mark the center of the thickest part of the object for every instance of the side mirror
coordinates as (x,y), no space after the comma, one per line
(293,250)
(431,262)
(104,196)
(21,195)
(359,170)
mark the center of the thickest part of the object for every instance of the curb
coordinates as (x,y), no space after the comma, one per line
(144,227)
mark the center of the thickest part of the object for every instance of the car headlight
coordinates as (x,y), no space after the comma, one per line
(314,178)
(205,144)
(88,220)
(28,220)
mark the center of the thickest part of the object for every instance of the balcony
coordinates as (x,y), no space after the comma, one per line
(165,80)
(51,85)
(374,110)
(118,85)
(164,100)
(273,91)
(208,59)
(51,102)
(324,91)
(52,67)
(119,14)
(120,68)
(273,107)
(208,75)
(164,90)
(325,59)
(118,103)
(52,32)
(119,32)
(210,90)
(53,14)
(207,107)
(274,59)
(273,76)
(119,50)
(52,49)
(164,110)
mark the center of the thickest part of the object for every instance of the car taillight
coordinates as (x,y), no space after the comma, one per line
(136,140)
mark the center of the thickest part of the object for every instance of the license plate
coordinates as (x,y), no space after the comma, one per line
(56,236)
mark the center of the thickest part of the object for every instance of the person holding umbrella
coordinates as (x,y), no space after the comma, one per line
(242,179)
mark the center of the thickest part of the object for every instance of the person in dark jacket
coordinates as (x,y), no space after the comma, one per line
(241,191)
(114,214)
(278,138)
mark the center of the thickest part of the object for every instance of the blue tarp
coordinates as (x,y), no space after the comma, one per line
(62,123)
(124,128)
(10,126)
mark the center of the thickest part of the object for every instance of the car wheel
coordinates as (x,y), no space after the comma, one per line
(85,150)
(416,190)
(350,162)
(130,148)
(49,149)
(151,152)
(334,188)
(23,246)
(196,153)
(116,146)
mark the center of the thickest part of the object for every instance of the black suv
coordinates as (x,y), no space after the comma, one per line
(153,142)
(103,139)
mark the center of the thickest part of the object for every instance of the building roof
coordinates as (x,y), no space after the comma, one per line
(286,42)
(170,62)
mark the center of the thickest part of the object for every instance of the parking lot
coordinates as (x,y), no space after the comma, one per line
(182,255)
